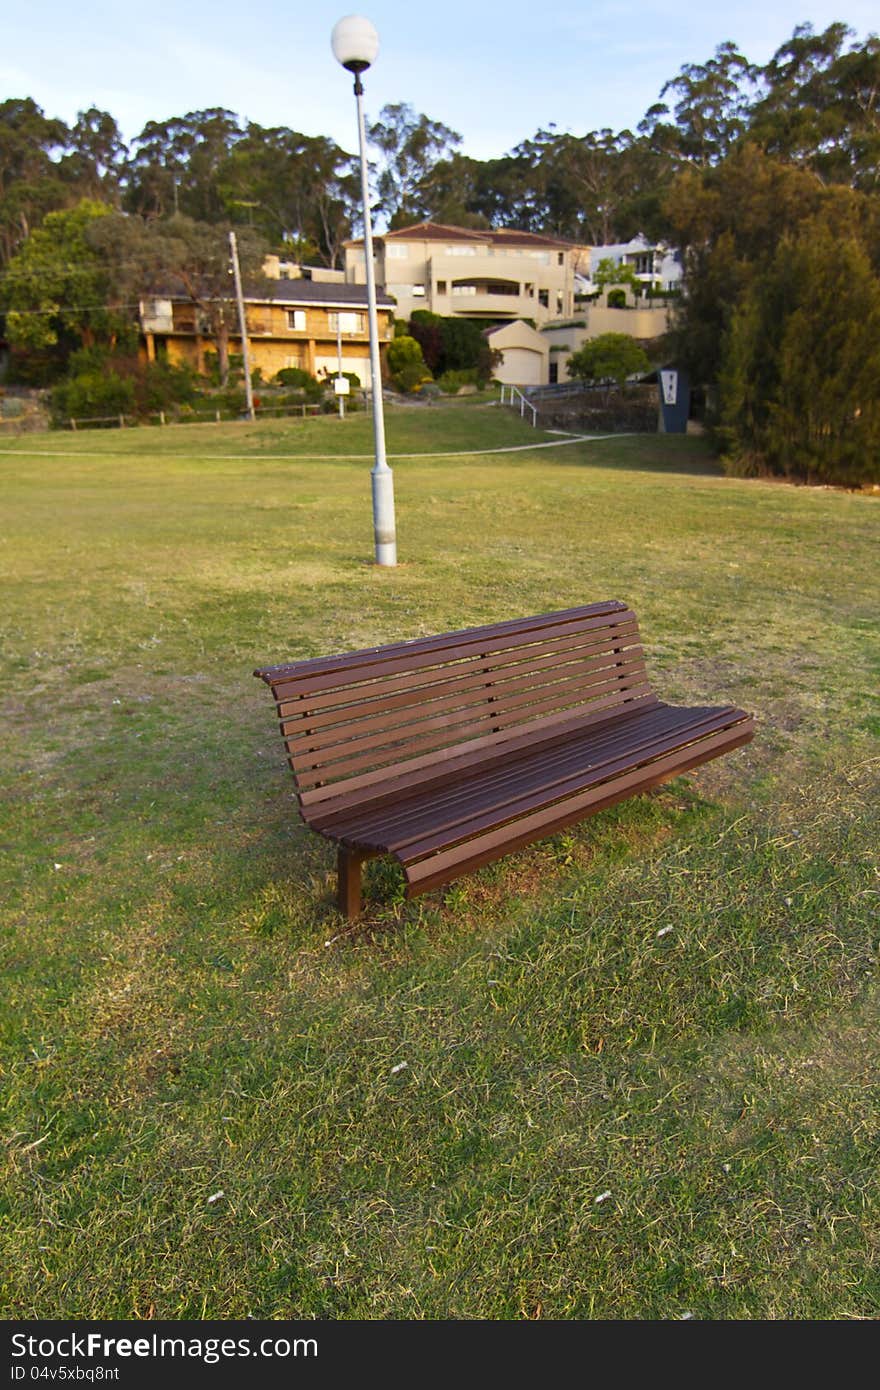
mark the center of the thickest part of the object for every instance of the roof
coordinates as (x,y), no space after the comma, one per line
(293,292)
(316,292)
(439,231)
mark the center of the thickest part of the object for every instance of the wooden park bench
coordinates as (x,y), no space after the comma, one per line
(449,752)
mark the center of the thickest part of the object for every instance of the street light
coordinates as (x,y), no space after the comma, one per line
(355,44)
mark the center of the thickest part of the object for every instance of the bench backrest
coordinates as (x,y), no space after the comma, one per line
(403,713)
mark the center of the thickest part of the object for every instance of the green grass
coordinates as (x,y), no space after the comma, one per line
(186,1014)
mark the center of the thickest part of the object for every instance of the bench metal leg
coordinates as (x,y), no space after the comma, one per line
(349,893)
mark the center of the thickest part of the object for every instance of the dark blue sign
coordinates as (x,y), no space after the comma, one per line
(675,400)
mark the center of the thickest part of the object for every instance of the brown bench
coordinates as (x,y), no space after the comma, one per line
(448,752)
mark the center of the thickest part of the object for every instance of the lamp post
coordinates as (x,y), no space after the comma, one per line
(355,44)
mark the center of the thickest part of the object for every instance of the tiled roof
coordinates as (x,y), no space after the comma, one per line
(293,292)
(438,231)
(315,292)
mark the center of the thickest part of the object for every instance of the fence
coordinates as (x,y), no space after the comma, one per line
(161,418)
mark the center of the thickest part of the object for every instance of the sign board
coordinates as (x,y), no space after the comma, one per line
(669,384)
(675,400)
(341,385)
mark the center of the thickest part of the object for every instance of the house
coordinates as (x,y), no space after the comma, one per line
(290,323)
(652,263)
(526,354)
(278,268)
(456,271)
(639,319)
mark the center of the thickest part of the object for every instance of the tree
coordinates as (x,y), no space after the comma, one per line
(410,145)
(30,182)
(197,256)
(299,190)
(610,359)
(800,380)
(59,285)
(175,164)
(728,222)
(96,156)
(448,191)
(711,108)
(611,272)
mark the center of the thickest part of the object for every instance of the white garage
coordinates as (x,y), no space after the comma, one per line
(526,354)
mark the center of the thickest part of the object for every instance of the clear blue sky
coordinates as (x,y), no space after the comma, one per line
(493,71)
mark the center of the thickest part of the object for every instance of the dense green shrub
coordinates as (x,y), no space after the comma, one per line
(406,363)
(450,382)
(103,383)
(612,357)
(93,393)
(617,299)
(309,387)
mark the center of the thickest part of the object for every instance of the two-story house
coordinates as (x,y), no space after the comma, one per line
(496,275)
(290,323)
(652,263)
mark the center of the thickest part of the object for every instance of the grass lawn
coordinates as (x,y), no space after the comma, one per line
(674,1004)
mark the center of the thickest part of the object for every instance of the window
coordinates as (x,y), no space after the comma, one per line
(554,373)
(461,250)
(560,257)
(530,290)
(293,361)
(418,291)
(345,323)
(395,252)
(296,318)
(464,289)
(559,301)
(441,286)
(544,298)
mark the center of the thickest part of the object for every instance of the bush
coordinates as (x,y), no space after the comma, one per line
(308,386)
(92,394)
(610,357)
(411,377)
(617,299)
(450,382)
(406,363)
(161,384)
(294,376)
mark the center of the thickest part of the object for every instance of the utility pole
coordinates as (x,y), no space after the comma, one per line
(242,324)
(340,397)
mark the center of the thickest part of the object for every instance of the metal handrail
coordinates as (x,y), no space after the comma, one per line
(515,394)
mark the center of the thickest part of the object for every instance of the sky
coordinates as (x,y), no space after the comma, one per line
(495,72)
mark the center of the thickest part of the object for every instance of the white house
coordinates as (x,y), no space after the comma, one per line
(653,263)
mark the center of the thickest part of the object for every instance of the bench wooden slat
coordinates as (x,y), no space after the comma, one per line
(395,824)
(312,774)
(442,642)
(321,749)
(378,666)
(449,751)
(335,706)
(437,770)
(518,802)
(438,869)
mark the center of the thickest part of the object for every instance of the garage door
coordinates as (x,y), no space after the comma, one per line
(522,367)
(359,366)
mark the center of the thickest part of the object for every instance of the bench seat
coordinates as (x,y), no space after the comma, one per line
(450,752)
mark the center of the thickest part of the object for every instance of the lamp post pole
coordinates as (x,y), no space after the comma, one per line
(355,44)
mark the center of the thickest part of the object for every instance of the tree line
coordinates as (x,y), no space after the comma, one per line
(767,179)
